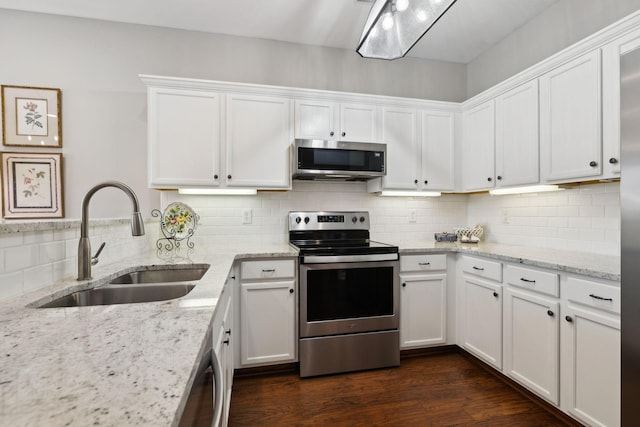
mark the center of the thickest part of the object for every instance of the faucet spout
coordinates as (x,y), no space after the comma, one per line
(84,245)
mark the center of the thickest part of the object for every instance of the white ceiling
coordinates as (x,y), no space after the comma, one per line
(464,32)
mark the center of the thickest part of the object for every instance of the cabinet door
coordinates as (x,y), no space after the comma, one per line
(399,132)
(259,136)
(267,322)
(315,120)
(570,120)
(532,342)
(437,157)
(358,123)
(184,138)
(591,365)
(478,144)
(611,54)
(227,360)
(482,317)
(423,310)
(517,143)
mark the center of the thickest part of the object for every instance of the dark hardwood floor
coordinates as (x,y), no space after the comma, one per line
(448,389)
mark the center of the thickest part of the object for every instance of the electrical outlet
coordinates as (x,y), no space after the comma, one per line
(246,216)
(505,216)
(412,215)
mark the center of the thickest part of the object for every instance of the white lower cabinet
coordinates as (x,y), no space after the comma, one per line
(590,361)
(267,312)
(423,300)
(223,347)
(532,340)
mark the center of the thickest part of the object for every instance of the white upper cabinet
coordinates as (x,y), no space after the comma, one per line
(478,145)
(611,54)
(335,121)
(570,120)
(258,135)
(184,135)
(517,143)
(437,142)
(400,134)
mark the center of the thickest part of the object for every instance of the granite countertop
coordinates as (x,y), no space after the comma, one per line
(117,365)
(133,364)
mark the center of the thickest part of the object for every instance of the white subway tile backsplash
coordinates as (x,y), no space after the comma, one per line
(11,284)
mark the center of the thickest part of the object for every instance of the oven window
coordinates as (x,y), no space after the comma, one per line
(349,293)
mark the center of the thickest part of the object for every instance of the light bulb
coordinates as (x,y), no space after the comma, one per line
(402,5)
(387,21)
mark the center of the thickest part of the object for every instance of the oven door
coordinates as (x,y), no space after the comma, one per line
(349,297)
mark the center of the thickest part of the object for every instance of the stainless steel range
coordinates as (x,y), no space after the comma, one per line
(349,294)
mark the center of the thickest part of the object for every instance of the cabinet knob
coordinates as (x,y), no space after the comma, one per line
(215,176)
(331,133)
(290,291)
(495,294)
(415,181)
(613,160)
(226,342)
(426,182)
(404,285)
(568,319)
(499,177)
(344,134)
(550,313)
(593,164)
(228,176)
(228,332)
(489,179)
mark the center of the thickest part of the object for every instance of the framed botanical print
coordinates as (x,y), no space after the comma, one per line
(32,185)
(31,116)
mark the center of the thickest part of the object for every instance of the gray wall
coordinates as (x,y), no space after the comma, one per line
(96,64)
(558,27)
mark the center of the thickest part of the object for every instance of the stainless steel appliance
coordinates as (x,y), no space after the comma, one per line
(630,236)
(349,294)
(350,161)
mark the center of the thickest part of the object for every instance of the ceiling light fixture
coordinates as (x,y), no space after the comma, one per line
(394,26)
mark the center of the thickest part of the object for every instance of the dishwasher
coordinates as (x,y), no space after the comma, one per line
(204,404)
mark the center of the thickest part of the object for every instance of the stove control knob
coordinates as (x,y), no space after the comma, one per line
(361,219)
(306,220)
(354,219)
(298,219)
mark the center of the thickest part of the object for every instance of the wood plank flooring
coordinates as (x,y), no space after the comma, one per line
(448,389)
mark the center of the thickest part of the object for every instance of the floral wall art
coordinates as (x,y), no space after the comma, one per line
(31,116)
(32,185)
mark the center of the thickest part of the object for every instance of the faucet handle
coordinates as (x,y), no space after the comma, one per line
(94,259)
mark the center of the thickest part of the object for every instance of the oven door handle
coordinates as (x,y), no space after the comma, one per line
(325,259)
(218,389)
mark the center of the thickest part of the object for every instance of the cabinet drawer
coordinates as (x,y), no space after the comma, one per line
(533,280)
(267,269)
(482,268)
(593,294)
(424,262)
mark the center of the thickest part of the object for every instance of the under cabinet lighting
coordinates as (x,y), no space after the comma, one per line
(218,191)
(393,27)
(528,189)
(411,193)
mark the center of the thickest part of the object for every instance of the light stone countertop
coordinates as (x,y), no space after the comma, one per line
(132,364)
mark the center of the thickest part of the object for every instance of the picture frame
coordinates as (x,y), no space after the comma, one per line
(32,185)
(32,116)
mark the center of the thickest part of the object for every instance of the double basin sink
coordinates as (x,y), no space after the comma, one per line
(145,285)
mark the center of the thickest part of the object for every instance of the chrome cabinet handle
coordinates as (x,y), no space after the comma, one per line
(600,298)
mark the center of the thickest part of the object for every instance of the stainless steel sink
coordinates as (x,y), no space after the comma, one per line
(148,284)
(187,274)
(122,295)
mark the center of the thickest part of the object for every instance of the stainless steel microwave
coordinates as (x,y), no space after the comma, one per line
(351,161)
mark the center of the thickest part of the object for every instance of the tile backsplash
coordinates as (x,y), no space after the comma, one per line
(584,218)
